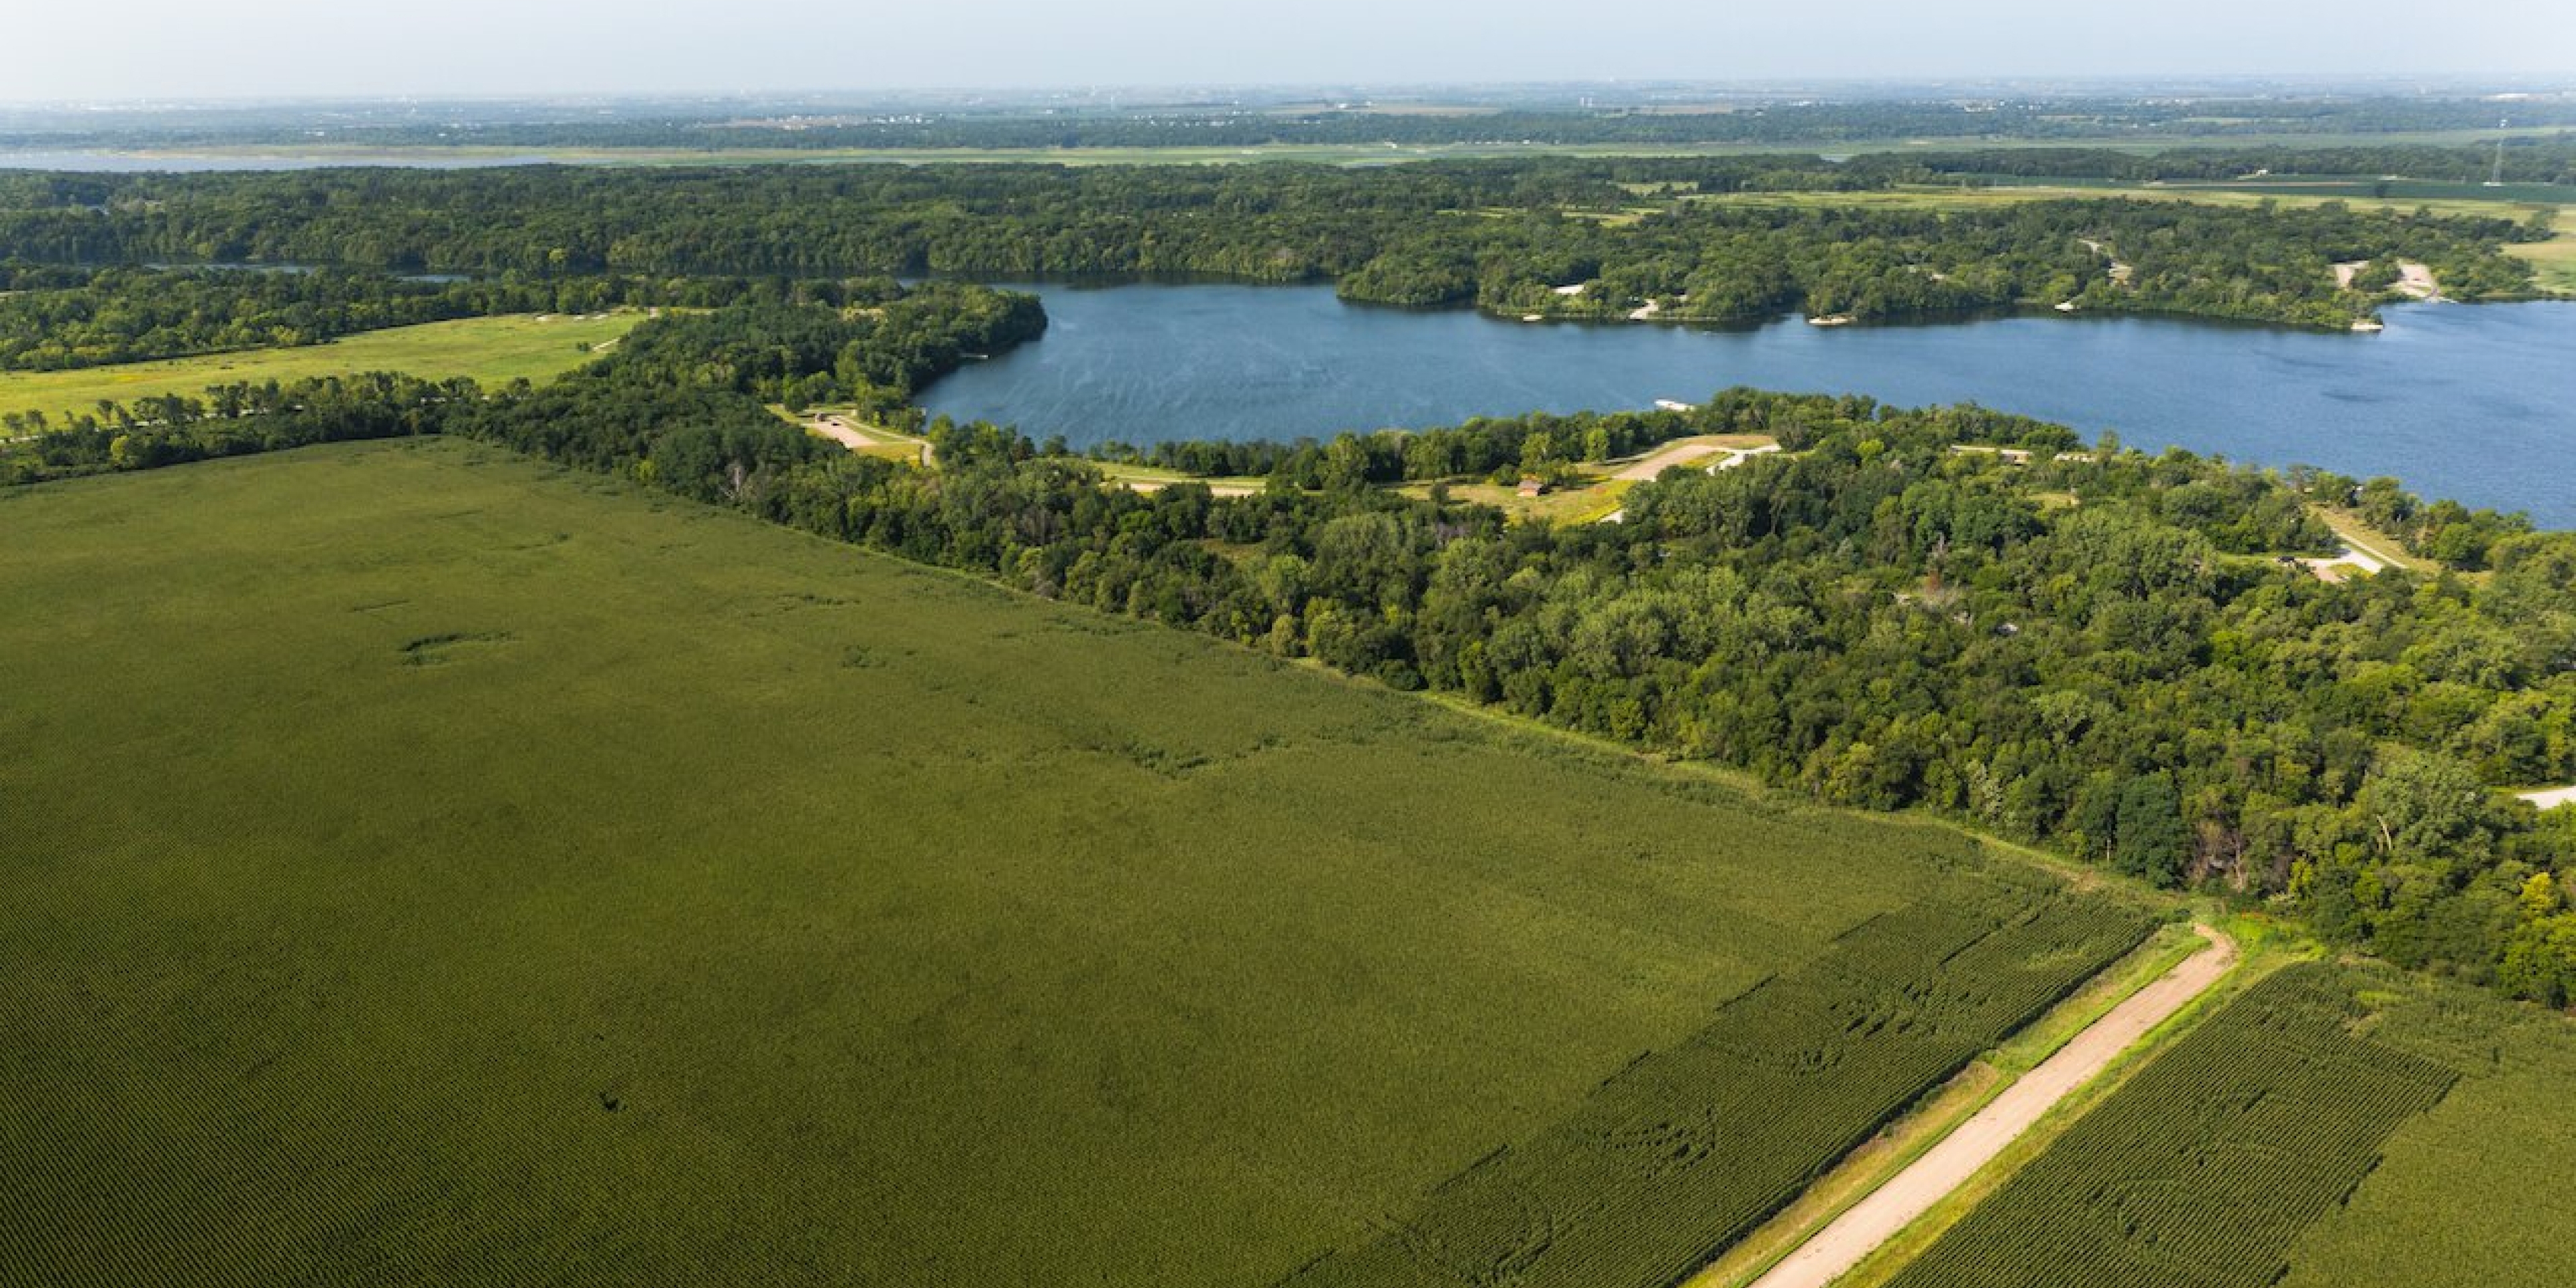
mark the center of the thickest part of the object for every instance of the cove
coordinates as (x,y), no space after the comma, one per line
(2472,402)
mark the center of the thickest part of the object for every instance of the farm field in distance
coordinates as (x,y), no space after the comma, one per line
(518,869)
(493,350)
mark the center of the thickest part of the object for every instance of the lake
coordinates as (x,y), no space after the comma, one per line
(2475,402)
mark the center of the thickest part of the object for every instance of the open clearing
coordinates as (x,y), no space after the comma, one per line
(492,350)
(2372,546)
(847,429)
(2555,258)
(429,866)
(1690,451)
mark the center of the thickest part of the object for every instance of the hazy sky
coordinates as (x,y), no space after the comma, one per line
(113,49)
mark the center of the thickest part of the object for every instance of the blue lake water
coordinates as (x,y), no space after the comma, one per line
(2476,402)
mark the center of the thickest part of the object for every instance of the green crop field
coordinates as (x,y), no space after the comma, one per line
(2436,1212)
(1687,1150)
(493,350)
(2334,1127)
(427,866)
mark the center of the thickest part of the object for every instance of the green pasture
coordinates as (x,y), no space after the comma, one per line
(494,350)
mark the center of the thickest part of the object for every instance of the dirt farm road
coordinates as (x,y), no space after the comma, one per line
(1946,1166)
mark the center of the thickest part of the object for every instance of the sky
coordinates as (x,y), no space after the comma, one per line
(166,49)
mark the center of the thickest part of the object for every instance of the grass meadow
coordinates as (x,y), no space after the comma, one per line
(494,350)
(429,866)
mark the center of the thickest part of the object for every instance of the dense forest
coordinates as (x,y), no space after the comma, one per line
(2101,651)
(53,317)
(1635,235)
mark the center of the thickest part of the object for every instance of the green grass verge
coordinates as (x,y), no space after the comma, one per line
(492,350)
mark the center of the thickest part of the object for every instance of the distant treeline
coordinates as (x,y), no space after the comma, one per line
(675,385)
(2521,160)
(1500,235)
(52,318)
(1752,122)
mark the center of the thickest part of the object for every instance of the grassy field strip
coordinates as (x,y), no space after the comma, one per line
(2263,949)
(492,350)
(1148,478)
(1908,1139)
(2555,258)
(1949,1164)
(2361,537)
(847,429)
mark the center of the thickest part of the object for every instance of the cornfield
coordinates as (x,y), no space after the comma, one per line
(1688,1149)
(2202,1171)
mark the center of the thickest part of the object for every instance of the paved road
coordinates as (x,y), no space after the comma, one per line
(1948,1165)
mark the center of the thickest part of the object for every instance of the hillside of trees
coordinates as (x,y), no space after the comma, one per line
(2103,652)
(1496,235)
(52,317)
(2526,159)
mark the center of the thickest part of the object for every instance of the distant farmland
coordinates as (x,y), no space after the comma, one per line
(430,867)
(493,350)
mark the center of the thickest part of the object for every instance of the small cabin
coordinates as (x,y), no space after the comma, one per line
(1533,486)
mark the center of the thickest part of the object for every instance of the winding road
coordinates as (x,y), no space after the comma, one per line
(1947,1166)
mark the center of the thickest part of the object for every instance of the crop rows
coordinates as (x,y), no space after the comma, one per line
(2202,1171)
(1686,1150)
